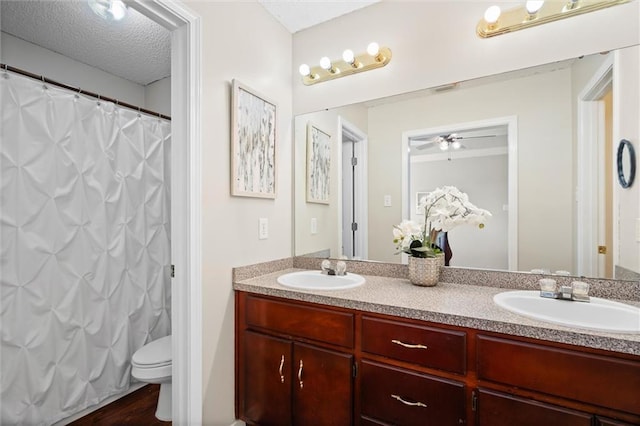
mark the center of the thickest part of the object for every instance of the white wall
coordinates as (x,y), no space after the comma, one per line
(239,40)
(157,96)
(434,43)
(37,60)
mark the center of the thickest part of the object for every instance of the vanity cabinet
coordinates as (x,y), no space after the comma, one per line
(289,371)
(299,363)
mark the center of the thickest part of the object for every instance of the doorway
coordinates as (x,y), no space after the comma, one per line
(186,205)
(434,157)
(354,191)
(595,206)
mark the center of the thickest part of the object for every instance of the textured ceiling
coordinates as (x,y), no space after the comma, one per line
(135,48)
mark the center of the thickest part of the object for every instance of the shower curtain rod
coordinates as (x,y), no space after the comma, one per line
(81,92)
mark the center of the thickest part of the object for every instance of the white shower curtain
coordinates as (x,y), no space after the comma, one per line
(85,247)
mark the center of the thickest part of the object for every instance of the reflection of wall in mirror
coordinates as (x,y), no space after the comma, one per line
(628,200)
(484,180)
(547,175)
(544,158)
(327,217)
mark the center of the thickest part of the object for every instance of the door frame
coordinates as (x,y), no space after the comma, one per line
(186,204)
(590,155)
(361,152)
(512,173)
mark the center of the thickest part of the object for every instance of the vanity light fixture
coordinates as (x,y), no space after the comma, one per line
(375,57)
(533,13)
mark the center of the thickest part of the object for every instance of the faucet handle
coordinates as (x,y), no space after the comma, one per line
(580,291)
(341,268)
(326,267)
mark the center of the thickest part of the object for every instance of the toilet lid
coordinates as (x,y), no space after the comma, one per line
(154,353)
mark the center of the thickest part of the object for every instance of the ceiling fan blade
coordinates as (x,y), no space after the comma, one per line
(476,137)
(426,145)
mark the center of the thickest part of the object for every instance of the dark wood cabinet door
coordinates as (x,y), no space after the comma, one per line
(267,387)
(498,409)
(323,387)
(404,397)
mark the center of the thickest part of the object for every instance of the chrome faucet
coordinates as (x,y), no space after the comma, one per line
(340,269)
(576,291)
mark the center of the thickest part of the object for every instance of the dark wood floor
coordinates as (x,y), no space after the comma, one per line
(136,409)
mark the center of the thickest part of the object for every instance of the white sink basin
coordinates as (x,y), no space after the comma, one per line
(598,314)
(316,280)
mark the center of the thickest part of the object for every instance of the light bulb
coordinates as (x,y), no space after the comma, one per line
(444,145)
(325,63)
(304,70)
(348,56)
(118,9)
(373,49)
(492,14)
(533,6)
(110,10)
(455,145)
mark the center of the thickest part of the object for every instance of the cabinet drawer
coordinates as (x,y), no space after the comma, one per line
(403,397)
(426,346)
(605,381)
(496,409)
(306,322)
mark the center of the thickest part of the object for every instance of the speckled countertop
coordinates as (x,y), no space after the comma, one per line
(447,303)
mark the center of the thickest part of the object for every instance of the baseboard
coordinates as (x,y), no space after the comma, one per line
(238,423)
(134,387)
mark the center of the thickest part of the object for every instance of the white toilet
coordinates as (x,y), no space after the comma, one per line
(152,364)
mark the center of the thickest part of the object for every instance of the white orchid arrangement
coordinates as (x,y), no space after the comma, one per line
(444,209)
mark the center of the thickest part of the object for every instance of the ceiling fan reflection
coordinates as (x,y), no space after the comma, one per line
(449,141)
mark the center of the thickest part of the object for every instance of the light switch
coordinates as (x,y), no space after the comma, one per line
(314,225)
(387,200)
(263,228)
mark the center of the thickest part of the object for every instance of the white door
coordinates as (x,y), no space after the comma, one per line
(354,191)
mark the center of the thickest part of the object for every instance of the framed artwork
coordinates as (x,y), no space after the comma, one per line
(253,144)
(318,165)
(419,196)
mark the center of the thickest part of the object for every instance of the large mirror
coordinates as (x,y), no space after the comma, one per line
(515,144)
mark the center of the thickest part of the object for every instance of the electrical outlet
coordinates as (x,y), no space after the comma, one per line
(263,228)
(314,226)
(387,200)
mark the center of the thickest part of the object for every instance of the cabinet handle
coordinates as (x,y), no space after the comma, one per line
(407,345)
(300,375)
(280,369)
(413,404)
